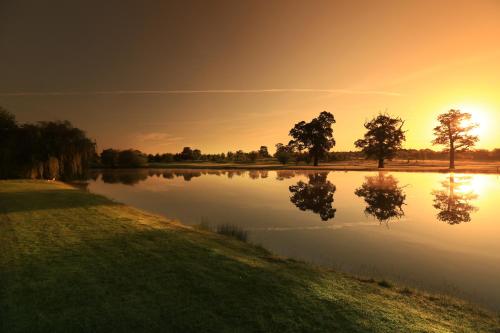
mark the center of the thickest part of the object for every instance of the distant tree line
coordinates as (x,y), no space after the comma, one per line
(129,158)
(43,150)
(312,142)
(189,154)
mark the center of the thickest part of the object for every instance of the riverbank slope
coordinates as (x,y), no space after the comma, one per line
(72,261)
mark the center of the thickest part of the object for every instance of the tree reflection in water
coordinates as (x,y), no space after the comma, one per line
(454,200)
(124,177)
(383,196)
(316,195)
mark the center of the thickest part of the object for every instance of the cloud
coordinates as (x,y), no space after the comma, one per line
(207,91)
(157,138)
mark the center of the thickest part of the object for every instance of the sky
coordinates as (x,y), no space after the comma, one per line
(228,75)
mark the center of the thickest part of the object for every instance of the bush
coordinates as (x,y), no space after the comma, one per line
(232,231)
(131,159)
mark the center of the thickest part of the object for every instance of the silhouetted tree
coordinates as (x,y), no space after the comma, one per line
(453,203)
(196,154)
(8,127)
(187,153)
(453,132)
(43,150)
(253,155)
(315,136)
(263,152)
(317,195)
(383,138)
(283,153)
(109,158)
(383,196)
(132,158)
(240,156)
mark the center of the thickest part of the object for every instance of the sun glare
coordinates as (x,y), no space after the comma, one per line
(479,117)
(474,185)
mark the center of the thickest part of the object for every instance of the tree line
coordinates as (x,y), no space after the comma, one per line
(46,150)
(114,158)
(312,141)
(59,150)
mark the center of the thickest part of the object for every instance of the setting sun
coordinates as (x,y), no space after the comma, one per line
(479,116)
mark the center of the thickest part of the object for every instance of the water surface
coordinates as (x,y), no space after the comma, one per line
(438,232)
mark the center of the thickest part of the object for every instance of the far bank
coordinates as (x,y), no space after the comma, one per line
(440,166)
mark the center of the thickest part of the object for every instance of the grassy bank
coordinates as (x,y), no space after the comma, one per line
(71,261)
(358,165)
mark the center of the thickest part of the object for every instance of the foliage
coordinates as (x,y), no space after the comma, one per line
(132,158)
(383,138)
(129,158)
(453,132)
(109,158)
(263,152)
(383,196)
(315,136)
(454,204)
(253,155)
(317,195)
(43,150)
(232,231)
(283,153)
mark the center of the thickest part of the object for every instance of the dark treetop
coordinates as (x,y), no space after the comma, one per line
(383,138)
(315,136)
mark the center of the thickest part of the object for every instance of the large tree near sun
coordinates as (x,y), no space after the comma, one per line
(316,136)
(453,132)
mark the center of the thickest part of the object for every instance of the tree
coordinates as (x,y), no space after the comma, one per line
(315,136)
(132,158)
(383,196)
(53,149)
(253,155)
(109,157)
(317,195)
(283,153)
(196,154)
(8,127)
(383,138)
(263,152)
(187,153)
(240,156)
(7,120)
(453,132)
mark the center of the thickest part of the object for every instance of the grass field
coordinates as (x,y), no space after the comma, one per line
(71,261)
(355,165)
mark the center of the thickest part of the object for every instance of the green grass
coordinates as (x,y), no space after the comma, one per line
(71,261)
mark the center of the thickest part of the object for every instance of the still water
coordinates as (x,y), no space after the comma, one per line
(438,232)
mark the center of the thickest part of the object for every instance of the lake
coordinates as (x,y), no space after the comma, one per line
(438,232)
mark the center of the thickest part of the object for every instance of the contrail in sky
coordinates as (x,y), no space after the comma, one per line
(207,91)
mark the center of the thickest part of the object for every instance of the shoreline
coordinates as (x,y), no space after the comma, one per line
(434,166)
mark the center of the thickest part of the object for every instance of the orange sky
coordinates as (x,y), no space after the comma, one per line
(227,75)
